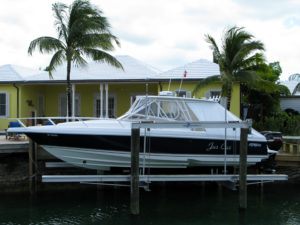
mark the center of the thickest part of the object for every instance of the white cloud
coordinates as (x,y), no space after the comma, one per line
(164,33)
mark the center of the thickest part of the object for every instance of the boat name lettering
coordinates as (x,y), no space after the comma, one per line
(52,135)
(213,146)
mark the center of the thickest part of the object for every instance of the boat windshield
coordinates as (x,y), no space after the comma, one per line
(160,109)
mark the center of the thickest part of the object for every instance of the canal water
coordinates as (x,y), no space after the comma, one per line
(275,203)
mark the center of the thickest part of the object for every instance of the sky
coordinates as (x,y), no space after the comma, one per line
(162,33)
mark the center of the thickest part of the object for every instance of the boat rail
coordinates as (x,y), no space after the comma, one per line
(51,120)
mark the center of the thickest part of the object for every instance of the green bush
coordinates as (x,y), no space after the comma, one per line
(288,125)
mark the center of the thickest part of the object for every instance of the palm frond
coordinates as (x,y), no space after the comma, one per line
(56,60)
(248,77)
(95,40)
(59,10)
(102,56)
(45,45)
(213,45)
(77,58)
(206,81)
(245,50)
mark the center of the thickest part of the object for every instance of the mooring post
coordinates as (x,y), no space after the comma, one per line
(32,154)
(243,168)
(134,185)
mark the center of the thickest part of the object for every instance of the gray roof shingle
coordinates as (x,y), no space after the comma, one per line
(199,69)
(133,70)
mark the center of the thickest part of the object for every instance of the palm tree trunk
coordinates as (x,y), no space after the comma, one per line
(69,89)
(261,112)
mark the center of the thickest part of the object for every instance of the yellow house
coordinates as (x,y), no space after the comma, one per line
(98,90)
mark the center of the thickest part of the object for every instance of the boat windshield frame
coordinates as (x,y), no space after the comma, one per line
(161,108)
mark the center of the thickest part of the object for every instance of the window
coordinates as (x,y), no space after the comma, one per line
(112,102)
(62,111)
(4,104)
(213,93)
(183,93)
(41,105)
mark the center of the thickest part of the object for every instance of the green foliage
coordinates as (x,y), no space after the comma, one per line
(263,99)
(82,31)
(239,60)
(288,125)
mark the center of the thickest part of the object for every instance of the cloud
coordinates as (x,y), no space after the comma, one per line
(165,34)
(291,22)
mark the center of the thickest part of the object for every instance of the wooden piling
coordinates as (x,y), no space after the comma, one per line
(243,168)
(32,160)
(134,185)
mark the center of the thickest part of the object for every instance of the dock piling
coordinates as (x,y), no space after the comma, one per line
(134,185)
(32,160)
(243,168)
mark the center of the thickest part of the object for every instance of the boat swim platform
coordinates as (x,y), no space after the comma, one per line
(160,178)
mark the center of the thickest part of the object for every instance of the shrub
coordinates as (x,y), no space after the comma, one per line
(288,125)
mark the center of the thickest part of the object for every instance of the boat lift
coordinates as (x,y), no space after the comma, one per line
(136,180)
(146,179)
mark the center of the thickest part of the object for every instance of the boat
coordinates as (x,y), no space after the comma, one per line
(105,143)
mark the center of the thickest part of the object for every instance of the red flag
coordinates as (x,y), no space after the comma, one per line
(185,73)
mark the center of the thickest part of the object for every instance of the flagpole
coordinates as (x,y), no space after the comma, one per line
(184,75)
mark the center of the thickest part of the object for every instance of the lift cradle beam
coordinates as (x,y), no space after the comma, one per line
(160,178)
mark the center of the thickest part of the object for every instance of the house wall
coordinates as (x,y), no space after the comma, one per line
(86,92)
(291,102)
(12,91)
(235,94)
(29,93)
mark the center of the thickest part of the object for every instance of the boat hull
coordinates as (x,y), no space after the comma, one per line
(101,159)
(98,151)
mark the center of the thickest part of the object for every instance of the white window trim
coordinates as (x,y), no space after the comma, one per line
(208,93)
(7,105)
(110,94)
(77,96)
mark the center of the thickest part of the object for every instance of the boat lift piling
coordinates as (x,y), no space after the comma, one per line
(134,184)
(32,159)
(243,168)
(135,149)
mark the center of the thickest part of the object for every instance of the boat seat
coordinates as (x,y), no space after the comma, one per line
(15,136)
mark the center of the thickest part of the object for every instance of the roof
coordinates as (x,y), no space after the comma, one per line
(199,69)
(134,71)
(15,73)
(291,85)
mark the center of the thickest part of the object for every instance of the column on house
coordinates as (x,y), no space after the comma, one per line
(101,101)
(106,100)
(73,99)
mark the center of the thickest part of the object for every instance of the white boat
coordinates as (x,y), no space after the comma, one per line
(105,143)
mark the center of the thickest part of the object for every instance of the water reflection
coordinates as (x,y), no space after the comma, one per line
(171,204)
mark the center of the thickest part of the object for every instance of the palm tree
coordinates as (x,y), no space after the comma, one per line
(240,60)
(82,31)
